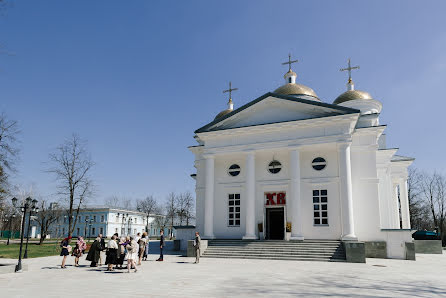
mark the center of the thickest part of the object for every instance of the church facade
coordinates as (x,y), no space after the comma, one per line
(289,166)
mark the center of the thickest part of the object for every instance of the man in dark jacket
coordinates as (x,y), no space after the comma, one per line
(94,252)
(161,245)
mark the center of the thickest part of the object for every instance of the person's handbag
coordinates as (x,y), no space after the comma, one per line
(69,248)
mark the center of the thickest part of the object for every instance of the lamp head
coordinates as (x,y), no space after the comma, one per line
(28,201)
(34,203)
(14,201)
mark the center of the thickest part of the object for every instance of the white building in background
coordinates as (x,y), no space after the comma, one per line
(289,159)
(92,221)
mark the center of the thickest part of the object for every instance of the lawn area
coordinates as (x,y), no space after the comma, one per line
(34,251)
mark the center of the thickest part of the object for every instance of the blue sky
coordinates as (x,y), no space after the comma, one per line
(136,78)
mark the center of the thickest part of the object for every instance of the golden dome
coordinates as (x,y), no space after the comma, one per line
(296,89)
(352,95)
(222,113)
(290,73)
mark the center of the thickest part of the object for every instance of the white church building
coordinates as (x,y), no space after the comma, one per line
(288,166)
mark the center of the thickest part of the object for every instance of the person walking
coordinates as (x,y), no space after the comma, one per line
(103,248)
(112,253)
(132,253)
(65,245)
(78,250)
(160,259)
(95,252)
(146,250)
(142,247)
(121,253)
(197,243)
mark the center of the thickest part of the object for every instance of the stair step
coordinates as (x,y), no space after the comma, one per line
(307,250)
(277,258)
(272,254)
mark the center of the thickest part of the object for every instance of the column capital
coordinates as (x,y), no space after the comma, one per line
(343,145)
(249,151)
(295,147)
(208,156)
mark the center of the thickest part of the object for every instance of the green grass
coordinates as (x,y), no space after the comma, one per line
(11,251)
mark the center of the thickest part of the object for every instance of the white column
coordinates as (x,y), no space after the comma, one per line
(296,213)
(390,204)
(250,196)
(404,200)
(209,199)
(396,208)
(345,175)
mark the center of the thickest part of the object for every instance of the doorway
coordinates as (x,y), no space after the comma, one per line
(275,224)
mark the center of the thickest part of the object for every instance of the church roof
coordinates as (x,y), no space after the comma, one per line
(340,110)
(396,158)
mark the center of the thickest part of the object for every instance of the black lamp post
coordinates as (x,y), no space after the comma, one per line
(86,222)
(35,209)
(89,227)
(10,227)
(24,208)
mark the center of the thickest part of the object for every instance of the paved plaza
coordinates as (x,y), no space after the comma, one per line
(177,276)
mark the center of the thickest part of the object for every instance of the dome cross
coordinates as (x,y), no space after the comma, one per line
(230,90)
(290,62)
(349,69)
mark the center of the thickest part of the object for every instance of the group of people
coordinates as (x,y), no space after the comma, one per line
(134,249)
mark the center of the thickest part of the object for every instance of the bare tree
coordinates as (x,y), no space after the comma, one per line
(171,210)
(433,189)
(48,214)
(127,204)
(185,205)
(9,152)
(420,218)
(71,164)
(149,206)
(113,202)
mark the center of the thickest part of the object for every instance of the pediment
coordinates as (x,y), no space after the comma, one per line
(274,108)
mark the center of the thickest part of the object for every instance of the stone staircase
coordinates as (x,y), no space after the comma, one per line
(307,250)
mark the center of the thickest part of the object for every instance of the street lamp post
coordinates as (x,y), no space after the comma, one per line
(10,227)
(86,222)
(24,208)
(89,228)
(36,209)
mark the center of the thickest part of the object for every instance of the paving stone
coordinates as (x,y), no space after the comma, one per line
(177,276)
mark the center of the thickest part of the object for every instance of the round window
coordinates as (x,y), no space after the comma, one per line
(319,163)
(274,167)
(234,170)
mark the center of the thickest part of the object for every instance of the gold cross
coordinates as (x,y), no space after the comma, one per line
(349,69)
(289,62)
(230,90)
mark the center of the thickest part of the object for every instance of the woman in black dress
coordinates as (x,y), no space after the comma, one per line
(112,253)
(65,244)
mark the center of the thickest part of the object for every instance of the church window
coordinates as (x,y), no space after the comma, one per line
(319,163)
(234,170)
(234,210)
(289,80)
(274,167)
(320,212)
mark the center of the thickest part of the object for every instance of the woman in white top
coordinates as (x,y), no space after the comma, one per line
(112,253)
(132,253)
